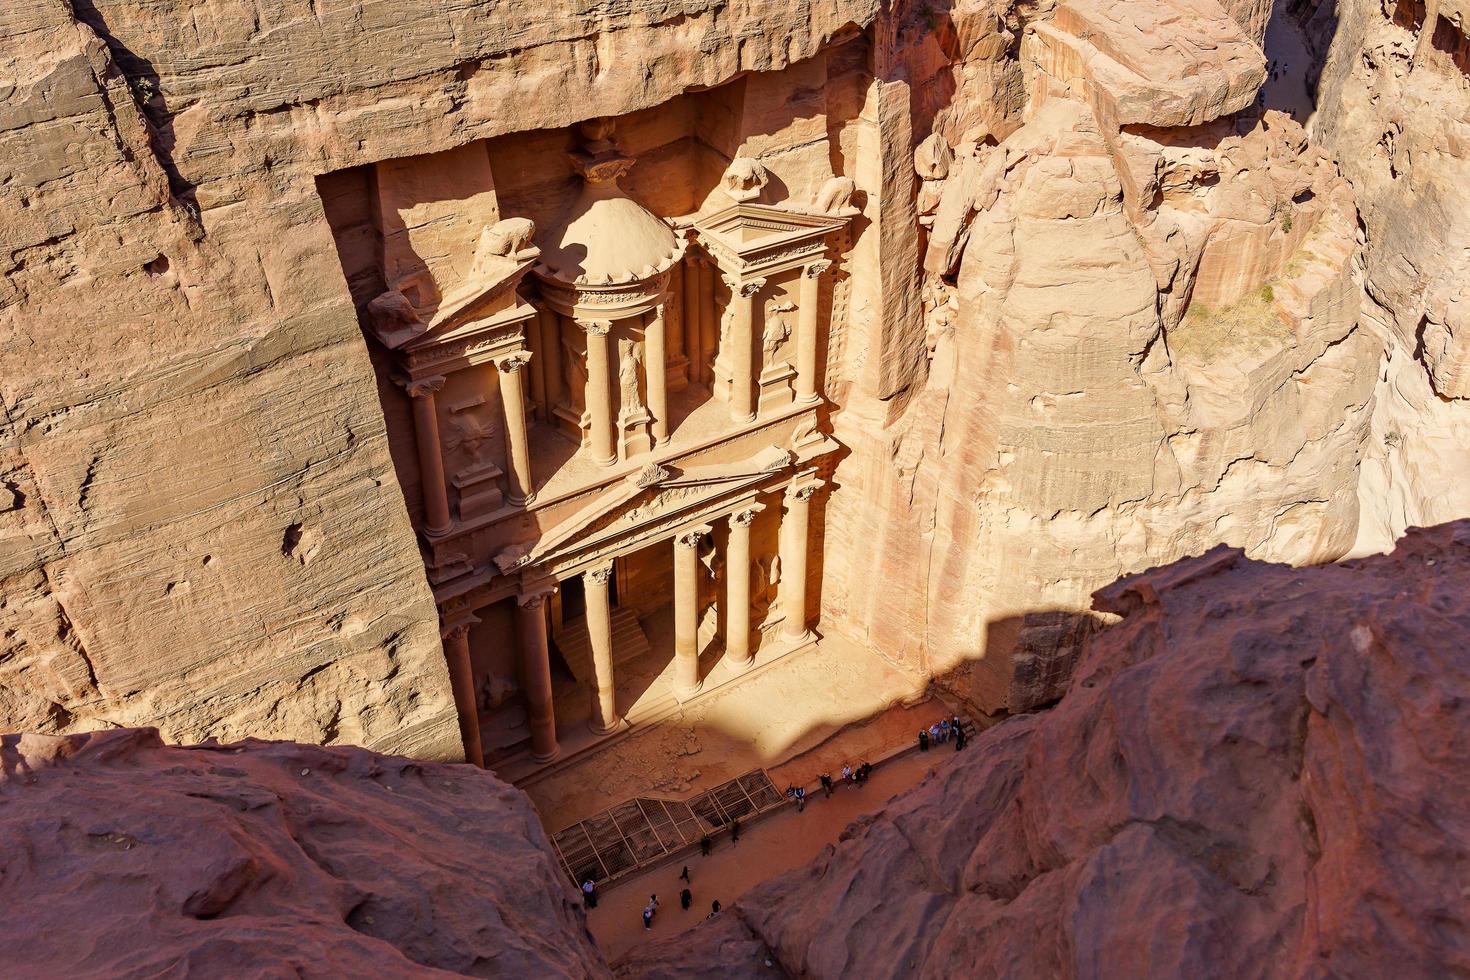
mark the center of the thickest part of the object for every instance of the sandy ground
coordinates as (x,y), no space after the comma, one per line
(769,847)
(778,714)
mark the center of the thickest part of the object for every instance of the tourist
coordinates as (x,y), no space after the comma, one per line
(704,843)
(800,799)
(734,831)
(684,875)
(714,908)
(934,733)
(589,893)
(653,901)
(847,774)
(864,771)
(923,740)
(686,899)
(959,739)
(648,916)
(826,782)
(943,731)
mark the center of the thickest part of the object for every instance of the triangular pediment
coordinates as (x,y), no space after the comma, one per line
(654,502)
(747,228)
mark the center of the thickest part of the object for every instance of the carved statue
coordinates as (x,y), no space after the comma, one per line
(835,197)
(394,318)
(630,355)
(509,238)
(576,368)
(495,691)
(744,179)
(470,434)
(765,575)
(727,319)
(777,330)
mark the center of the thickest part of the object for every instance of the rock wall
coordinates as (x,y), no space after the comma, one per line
(200,527)
(1143,316)
(1394,108)
(126,857)
(1258,773)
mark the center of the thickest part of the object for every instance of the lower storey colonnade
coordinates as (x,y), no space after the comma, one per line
(532,620)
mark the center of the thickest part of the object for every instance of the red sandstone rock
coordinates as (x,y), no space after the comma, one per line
(125,857)
(1261,771)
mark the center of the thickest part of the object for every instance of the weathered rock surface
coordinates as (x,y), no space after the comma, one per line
(1394,108)
(125,857)
(1259,772)
(1144,342)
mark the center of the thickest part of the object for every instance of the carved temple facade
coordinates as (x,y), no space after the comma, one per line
(606,405)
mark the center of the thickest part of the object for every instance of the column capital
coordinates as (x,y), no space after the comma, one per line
(743,287)
(595,328)
(814,270)
(743,518)
(804,491)
(457,624)
(535,597)
(599,574)
(511,363)
(421,387)
(691,537)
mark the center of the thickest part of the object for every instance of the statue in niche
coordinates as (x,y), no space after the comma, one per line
(469,434)
(630,356)
(765,574)
(576,368)
(777,330)
(495,691)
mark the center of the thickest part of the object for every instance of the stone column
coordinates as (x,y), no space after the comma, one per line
(599,390)
(431,460)
(462,684)
(737,590)
(806,331)
(551,360)
(599,631)
(742,348)
(686,613)
(709,322)
(694,286)
(655,362)
(793,562)
(537,343)
(536,675)
(513,399)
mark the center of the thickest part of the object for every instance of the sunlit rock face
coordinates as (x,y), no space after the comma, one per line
(1393,99)
(126,857)
(1256,773)
(1143,314)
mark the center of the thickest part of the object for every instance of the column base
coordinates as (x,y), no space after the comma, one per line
(599,730)
(516,501)
(812,399)
(609,461)
(797,639)
(685,693)
(438,532)
(549,757)
(742,419)
(740,666)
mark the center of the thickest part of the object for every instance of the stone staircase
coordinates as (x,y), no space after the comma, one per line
(575,644)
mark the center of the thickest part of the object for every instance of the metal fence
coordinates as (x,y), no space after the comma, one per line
(642,831)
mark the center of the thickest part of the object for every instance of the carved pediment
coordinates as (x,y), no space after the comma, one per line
(649,505)
(748,236)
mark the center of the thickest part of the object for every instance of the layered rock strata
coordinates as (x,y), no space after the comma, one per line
(126,857)
(1142,308)
(1258,772)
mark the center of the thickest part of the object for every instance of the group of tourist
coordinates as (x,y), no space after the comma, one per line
(850,776)
(942,731)
(686,899)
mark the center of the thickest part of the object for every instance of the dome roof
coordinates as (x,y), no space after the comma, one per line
(606,237)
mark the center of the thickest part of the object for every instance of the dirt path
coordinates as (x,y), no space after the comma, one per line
(774,845)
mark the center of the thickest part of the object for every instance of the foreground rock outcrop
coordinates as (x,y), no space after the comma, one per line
(126,857)
(1259,772)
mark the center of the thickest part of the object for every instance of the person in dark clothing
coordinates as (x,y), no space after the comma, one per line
(686,899)
(800,798)
(923,740)
(734,831)
(704,843)
(589,893)
(714,907)
(684,875)
(959,739)
(826,784)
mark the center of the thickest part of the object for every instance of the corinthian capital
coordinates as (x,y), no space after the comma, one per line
(743,287)
(817,269)
(691,538)
(600,575)
(742,518)
(513,362)
(595,328)
(421,387)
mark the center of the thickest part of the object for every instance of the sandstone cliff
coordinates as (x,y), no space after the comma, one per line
(1142,301)
(125,857)
(1258,772)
